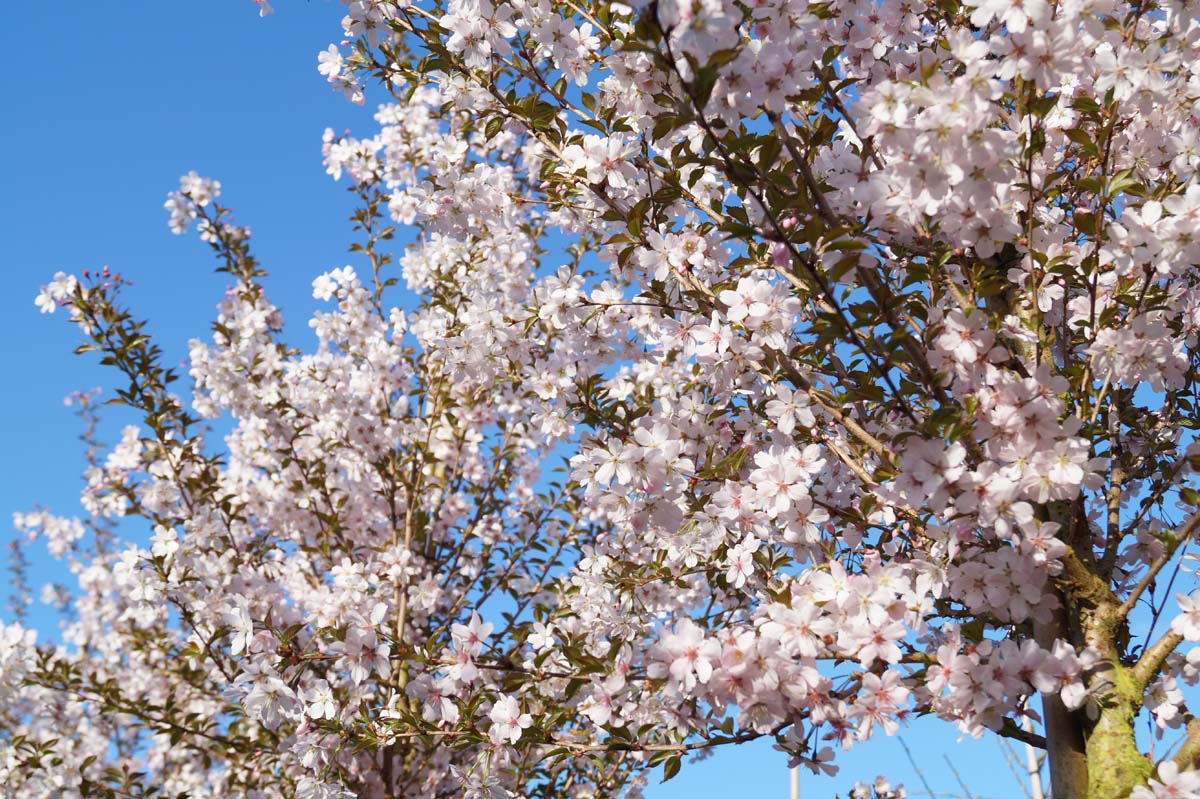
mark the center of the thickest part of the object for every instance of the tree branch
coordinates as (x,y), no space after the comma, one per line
(1152,659)
(1188,755)
(1185,532)
(1011,730)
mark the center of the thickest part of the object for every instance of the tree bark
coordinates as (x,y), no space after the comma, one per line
(1066,748)
(1116,765)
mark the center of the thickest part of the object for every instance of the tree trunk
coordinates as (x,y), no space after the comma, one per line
(1066,750)
(1092,752)
(1114,762)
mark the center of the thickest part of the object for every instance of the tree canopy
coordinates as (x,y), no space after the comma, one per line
(759,370)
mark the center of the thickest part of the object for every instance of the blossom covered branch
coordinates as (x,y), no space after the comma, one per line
(765,369)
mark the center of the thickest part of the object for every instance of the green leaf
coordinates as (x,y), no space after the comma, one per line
(1081,137)
(664,125)
(769,152)
(637,216)
(702,87)
(671,766)
(1044,105)
(1086,222)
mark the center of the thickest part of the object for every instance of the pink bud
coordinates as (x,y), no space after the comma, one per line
(780,255)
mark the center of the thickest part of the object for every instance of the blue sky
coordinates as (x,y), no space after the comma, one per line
(107,104)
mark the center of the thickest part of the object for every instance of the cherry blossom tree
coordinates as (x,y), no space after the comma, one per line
(760,370)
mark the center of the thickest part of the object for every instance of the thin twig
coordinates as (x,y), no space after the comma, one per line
(916,768)
(966,791)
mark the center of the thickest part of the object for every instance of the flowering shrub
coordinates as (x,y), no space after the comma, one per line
(768,370)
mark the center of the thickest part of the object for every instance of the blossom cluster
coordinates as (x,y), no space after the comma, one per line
(775,370)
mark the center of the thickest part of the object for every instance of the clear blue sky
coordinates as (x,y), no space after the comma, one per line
(106,104)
